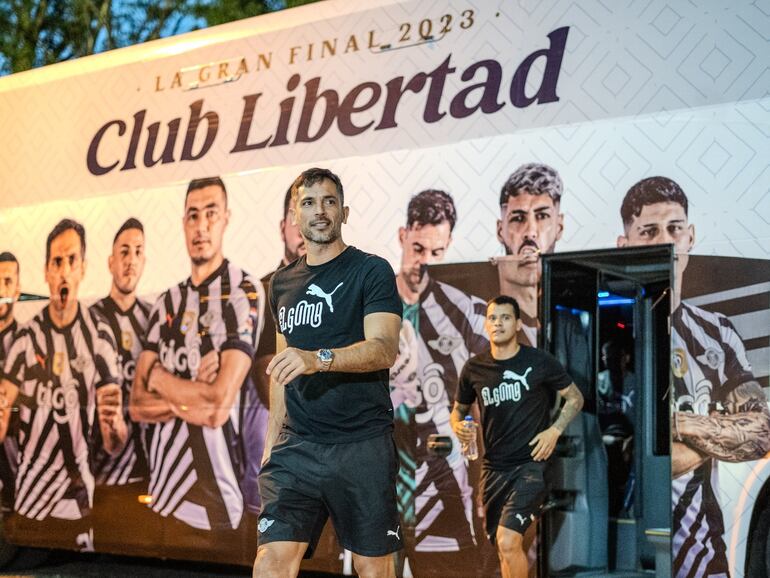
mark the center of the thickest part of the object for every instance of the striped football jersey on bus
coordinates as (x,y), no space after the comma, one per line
(196,471)
(445,329)
(9,453)
(127,329)
(58,371)
(708,361)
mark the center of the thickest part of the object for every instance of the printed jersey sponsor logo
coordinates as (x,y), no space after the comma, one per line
(59,399)
(306,313)
(510,389)
(179,360)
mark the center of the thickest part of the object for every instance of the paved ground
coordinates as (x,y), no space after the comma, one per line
(72,565)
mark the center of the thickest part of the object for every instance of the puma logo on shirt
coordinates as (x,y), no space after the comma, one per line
(316,291)
(510,388)
(306,313)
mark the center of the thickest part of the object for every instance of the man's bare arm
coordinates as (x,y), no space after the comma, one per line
(277,405)
(8,394)
(457,417)
(573,403)
(684,459)
(378,350)
(199,402)
(740,436)
(112,425)
(147,406)
(545,442)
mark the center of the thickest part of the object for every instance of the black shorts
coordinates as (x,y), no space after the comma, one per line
(303,483)
(513,498)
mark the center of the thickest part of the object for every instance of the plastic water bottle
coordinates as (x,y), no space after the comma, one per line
(470,449)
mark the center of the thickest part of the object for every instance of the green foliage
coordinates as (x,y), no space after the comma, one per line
(36,33)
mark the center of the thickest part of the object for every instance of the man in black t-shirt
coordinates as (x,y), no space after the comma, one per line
(513,385)
(329,449)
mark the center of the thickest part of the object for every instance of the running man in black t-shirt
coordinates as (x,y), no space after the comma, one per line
(513,385)
(329,449)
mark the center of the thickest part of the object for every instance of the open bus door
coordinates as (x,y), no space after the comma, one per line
(611,478)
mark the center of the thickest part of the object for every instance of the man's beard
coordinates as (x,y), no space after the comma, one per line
(198,261)
(413,279)
(125,289)
(320,238)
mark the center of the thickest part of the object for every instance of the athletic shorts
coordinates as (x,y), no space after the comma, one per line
(304,483)
(513,498)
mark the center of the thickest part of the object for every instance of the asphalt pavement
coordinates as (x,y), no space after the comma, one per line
(35,563)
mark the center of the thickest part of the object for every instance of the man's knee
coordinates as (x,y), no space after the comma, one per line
(278,560)
(374,567)
(509,542)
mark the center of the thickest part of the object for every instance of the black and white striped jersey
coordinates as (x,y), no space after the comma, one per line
(127,329)
(448,328)
(438,335)
(195,471)
(9,453)
(708,361)
(58,371)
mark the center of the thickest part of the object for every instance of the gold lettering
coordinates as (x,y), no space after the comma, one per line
(243,68)
(331,46)
(293,53)
(372,42)
(266,60)
(158,87)
(177,82)
(222,71)
(352,44)
(310,52)
(203,73)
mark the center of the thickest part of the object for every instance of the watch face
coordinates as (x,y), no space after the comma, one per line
(325,355)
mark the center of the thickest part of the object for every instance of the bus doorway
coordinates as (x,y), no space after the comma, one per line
(605,316)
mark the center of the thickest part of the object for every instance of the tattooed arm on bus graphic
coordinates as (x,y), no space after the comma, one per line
(740,434)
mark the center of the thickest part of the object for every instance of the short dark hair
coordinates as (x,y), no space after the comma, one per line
(533,179)
(131,223)
(287,201)
(506,300)
(315,175)
(8,257)
(431,207)
(196,184)
(61,227)
(648,192)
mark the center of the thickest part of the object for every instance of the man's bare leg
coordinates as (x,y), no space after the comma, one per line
(374,567)
(510,549)
(279,559)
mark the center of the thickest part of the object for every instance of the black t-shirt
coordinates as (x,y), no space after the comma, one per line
(514,397)
(323,306)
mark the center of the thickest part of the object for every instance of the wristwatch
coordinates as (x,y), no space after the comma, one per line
(326,357)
